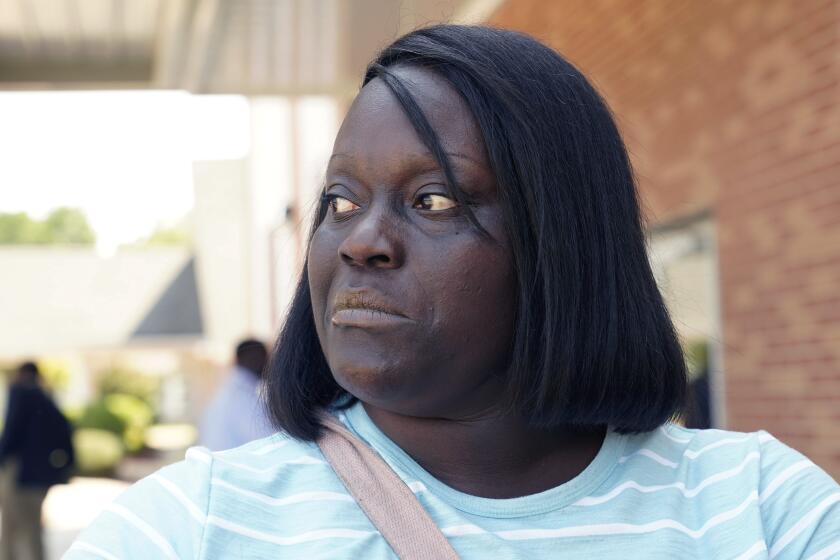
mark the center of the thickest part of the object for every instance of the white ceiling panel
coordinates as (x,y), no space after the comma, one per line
(215,46)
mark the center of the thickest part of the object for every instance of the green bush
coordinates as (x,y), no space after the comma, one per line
(135,414)
(98,452)
(125,416)
(55,374)
(63,226)
(98,416)
(73,413)
(129,382)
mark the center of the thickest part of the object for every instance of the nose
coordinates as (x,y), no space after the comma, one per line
(374,241)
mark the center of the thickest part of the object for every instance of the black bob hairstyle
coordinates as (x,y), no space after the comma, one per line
(593,343)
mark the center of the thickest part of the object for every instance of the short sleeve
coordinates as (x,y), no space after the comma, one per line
(800,505)
(161,516)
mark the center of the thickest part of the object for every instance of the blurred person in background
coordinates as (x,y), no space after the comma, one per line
(698,412)
(699,408)
(36,452)
(236,415)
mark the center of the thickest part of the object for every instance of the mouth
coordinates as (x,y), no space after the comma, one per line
(365,310)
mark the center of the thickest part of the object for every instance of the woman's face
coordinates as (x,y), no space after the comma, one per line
(414,307)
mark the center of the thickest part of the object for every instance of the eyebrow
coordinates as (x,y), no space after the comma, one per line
(425,156)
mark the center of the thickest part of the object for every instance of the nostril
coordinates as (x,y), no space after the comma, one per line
(345,258)
(379,260)
(374,260)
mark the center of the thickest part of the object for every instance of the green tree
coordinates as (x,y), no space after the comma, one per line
(63,226)
(69,226)
(178,235)
(18,228)
(174,234)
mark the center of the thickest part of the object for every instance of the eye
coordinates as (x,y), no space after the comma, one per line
(340,205)
(434,202)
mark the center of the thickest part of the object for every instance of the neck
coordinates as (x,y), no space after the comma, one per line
(492,456)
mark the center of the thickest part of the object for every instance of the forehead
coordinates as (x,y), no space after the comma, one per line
(377,127)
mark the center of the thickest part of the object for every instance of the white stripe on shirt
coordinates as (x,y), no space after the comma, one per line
(80,545)
(146,529)
(751,552)
(253,533)
(627,528)
(783,477)
(803,524)
(179,495)
(688,493)
(308,536)
(302,460)
(266,449)
(667,434)
(300,497)
(687,454)
(826,552)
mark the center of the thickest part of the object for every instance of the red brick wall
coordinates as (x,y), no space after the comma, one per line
(734,106)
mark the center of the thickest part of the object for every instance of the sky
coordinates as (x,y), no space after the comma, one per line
(123,157)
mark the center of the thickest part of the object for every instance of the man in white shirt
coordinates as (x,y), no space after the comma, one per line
(237,414)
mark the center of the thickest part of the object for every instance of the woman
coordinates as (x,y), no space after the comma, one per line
(477,307)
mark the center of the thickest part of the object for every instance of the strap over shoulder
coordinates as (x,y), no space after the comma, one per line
(387,501)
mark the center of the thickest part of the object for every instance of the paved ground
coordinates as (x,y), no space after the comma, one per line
(69,508)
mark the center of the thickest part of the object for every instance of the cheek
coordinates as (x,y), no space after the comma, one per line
(477,306)
(320,269)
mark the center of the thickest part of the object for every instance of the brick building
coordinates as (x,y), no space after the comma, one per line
(731,112)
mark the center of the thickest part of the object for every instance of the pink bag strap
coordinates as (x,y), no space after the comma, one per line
(387,501)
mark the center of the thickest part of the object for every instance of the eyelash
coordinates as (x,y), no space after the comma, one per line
(329,199)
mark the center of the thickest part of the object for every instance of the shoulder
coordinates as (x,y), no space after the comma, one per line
(265,455)
(797,503)
(160,516)
(277,466)
(673,446)
(165,515)
(695,465)
(257,465)
(800,504)
(698,452)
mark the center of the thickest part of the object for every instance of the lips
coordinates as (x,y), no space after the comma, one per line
(364,309)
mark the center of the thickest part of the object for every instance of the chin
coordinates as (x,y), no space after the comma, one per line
(377,384)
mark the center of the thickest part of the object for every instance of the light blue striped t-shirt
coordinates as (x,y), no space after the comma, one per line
(671,493)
